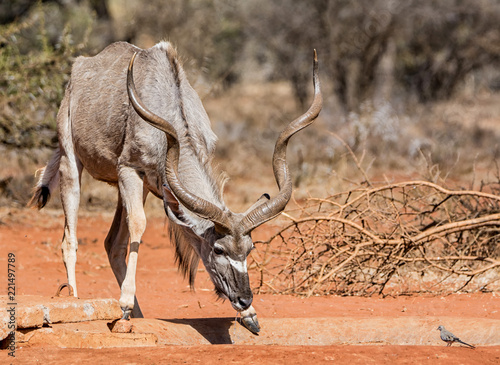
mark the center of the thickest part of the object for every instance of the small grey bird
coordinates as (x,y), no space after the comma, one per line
(449,337)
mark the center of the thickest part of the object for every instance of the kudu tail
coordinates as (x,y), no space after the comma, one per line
(49,178)
(49,175)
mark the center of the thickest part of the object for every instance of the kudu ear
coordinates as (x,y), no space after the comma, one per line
(263,198)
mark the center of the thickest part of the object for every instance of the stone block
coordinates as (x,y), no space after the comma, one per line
(34,311)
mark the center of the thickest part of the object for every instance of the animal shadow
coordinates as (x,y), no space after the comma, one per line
(214,330)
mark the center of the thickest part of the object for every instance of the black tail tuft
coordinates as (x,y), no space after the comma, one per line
(40,197)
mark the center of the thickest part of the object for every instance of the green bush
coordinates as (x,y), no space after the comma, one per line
(35,65)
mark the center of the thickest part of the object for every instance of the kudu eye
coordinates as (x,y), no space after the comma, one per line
(218,250)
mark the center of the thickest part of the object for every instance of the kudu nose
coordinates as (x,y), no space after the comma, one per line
(245,302)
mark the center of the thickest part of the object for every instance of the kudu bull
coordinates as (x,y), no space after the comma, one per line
(156,139)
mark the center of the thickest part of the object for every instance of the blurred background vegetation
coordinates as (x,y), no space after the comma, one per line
(410,87)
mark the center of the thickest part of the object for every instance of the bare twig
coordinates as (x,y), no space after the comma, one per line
(396,238)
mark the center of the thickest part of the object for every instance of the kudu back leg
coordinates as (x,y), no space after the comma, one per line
(116,244)
(132,191)
(70,170)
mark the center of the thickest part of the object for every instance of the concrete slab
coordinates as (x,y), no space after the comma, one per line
(321,331)
(35,311)
(284,332)
(82,335)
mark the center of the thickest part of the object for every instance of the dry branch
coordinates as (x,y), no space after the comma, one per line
(392,239)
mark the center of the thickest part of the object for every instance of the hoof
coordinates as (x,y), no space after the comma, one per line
(249,320)
(126,314)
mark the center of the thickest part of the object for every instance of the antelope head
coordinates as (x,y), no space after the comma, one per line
(226,243)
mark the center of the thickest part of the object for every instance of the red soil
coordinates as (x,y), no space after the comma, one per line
(34,238)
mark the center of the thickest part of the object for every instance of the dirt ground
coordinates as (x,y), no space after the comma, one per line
(34,238)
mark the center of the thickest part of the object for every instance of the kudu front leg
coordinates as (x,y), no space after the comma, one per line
(116,244)
(131,189)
